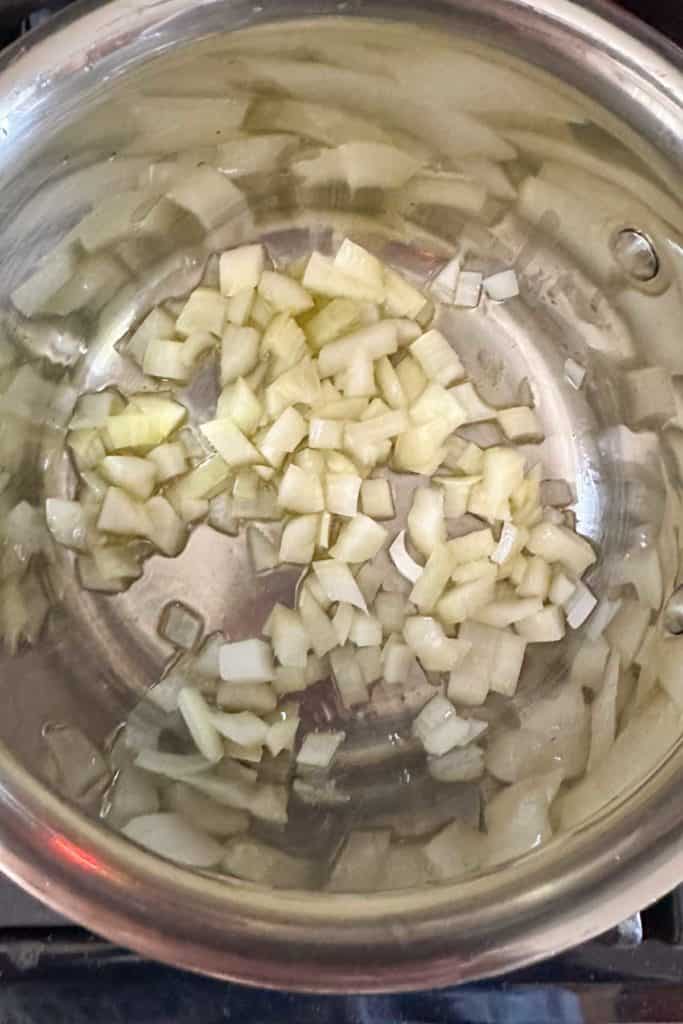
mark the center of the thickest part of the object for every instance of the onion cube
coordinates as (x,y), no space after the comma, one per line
(246,661)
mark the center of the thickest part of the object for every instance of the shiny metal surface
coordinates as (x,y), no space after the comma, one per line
(636,254)
(68,104)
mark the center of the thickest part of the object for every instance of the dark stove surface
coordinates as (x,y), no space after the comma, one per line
(52,972)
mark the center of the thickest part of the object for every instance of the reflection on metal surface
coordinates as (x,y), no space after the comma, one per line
(673,614)
(636,254)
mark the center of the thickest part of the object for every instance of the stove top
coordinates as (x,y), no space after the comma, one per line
(52,971)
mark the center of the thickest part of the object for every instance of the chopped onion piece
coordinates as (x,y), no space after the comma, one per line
(401,299)
(257,697)
(239,404)
(535,581)
(357,262)
(433,579)
(203,311)
(324,529)
(389,384)
(464,601)
(359,540)
(170,460)
(508,545)
(479,568)
(198,718)
(439,728)
(520,423)
(289,680)
(411,378)
(299,539)
(446,281)
(283,437)
(472,546)
(262,551)
(372,342)
(334,320)
(239,352)
(341,495)
(544,627)
(359,379)
(321,632)
(266,802)
(240,269)
(67,522)
(239,307)
(322,277)
(337,581)
(282,735)
(558,544)
(580,605)
(402,560)
(342,622)
(370,661)
(283,293)
(502,613)
(468,289)
(436,651)
(121,514)
(377,429)
(518,816)
(135,475)
(366,630)
(204,813)
(167,531)
(289,637)
(501,286)
(456,494)
(398,662)
(376,498)
(169,835)
(165,359)
(137,430)
(475,410)
(324,433)
(437,359)
(435,403)
(426,522)
(319,748)
(174,766)
(244,728)
(301,491)
(348,675)
(246,661)
(231,444)
(575,373)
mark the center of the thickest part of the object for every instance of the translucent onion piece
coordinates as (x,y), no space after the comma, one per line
(169,835)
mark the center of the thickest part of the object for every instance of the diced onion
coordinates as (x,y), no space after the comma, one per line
(319,748)
(468,289)
(246,661)
(338,583)
(332,378)
(406,565)
(501,286)
(171,836)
